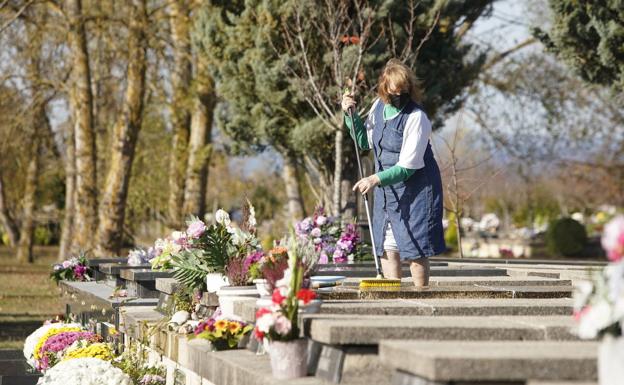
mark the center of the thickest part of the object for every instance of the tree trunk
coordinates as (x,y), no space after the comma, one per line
(180,116)
(24,248)
(81,101)
(337,182)
(200,148)
(290,174)
(7,221)
(70,196)
(126,132)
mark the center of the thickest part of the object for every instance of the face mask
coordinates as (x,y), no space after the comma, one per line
(399,101)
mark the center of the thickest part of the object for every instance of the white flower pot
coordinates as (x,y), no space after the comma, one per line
(313,307)
(227,295)
(215,281)
(611,361)
(262,285)
(289,359)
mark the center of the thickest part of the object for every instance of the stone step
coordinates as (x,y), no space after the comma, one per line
(505,361)
(435,272)
(369,330)
(142,282)
(238,367)
(246,308)
(353,293)
(479,281)
(521,261)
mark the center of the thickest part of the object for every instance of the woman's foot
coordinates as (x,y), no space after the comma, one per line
(420,272)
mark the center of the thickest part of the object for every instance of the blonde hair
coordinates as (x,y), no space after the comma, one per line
(401,76)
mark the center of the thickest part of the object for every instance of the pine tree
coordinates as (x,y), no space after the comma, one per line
(589,36)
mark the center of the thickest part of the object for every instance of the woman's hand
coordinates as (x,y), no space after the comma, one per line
(366,184)
(347,101)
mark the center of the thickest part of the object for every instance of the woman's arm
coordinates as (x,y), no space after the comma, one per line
(363,130)
(411,158)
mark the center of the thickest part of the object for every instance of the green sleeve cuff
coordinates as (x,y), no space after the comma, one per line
(360,131)
(394,174)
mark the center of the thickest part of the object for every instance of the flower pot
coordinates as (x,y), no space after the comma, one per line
(227,295)
(262,285)
(215,281)
(313,307)
(610,359)
(289,359)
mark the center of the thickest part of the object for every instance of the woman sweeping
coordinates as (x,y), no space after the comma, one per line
(408,206)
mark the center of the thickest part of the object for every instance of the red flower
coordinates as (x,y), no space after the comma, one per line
(277,297)
(262,311)
(259,335)
(306,295)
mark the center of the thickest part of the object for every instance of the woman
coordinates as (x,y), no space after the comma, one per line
(408,207)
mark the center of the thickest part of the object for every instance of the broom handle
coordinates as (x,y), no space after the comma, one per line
(368,215)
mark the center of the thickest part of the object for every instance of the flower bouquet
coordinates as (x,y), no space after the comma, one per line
(331,237)
(222,333)
(73,269)
(278,322)
(599,306)
(85,371)
(55,348)
(37,339)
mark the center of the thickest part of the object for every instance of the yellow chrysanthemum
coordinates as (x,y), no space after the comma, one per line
(221,325)
(50,333)
(98,350)
(234,327)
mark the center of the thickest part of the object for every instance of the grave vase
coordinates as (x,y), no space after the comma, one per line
(611,361)
(228,294)
(289,359)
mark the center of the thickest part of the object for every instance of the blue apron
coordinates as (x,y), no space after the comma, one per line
(413,207)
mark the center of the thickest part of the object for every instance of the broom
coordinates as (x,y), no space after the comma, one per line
(379,281)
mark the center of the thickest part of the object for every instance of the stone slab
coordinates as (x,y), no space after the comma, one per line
(521,261)
(98,294)
(493,360)
(95,262)
(144,274)
(433,307)
(135,320)
(242,367)
(353,293)
(118,267)
(167,285)
(369,330)
(435,272)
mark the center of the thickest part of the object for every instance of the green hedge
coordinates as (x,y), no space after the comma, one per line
(566,237)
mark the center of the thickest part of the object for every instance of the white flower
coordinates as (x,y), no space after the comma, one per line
(251,222)
(282,325)
(594,319)
(222,217)
(85,371)
(613,238)
(321,220)
(316,232)
(66,264)
(265,322)
(34,337)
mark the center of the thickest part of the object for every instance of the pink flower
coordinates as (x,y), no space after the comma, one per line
(321,220)
(282,325)
(323,259)
(196,229)
(66,264)
(316,232)
(613,238)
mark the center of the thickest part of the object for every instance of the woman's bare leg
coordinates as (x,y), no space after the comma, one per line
(420,272)
(391,265)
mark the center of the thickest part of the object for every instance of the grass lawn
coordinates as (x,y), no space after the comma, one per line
(26,291)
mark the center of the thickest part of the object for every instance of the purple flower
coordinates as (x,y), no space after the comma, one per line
(252,258)
(196,229)
(79,271)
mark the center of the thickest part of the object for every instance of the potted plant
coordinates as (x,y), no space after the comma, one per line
(223,333)
(278,322)
(599,306)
